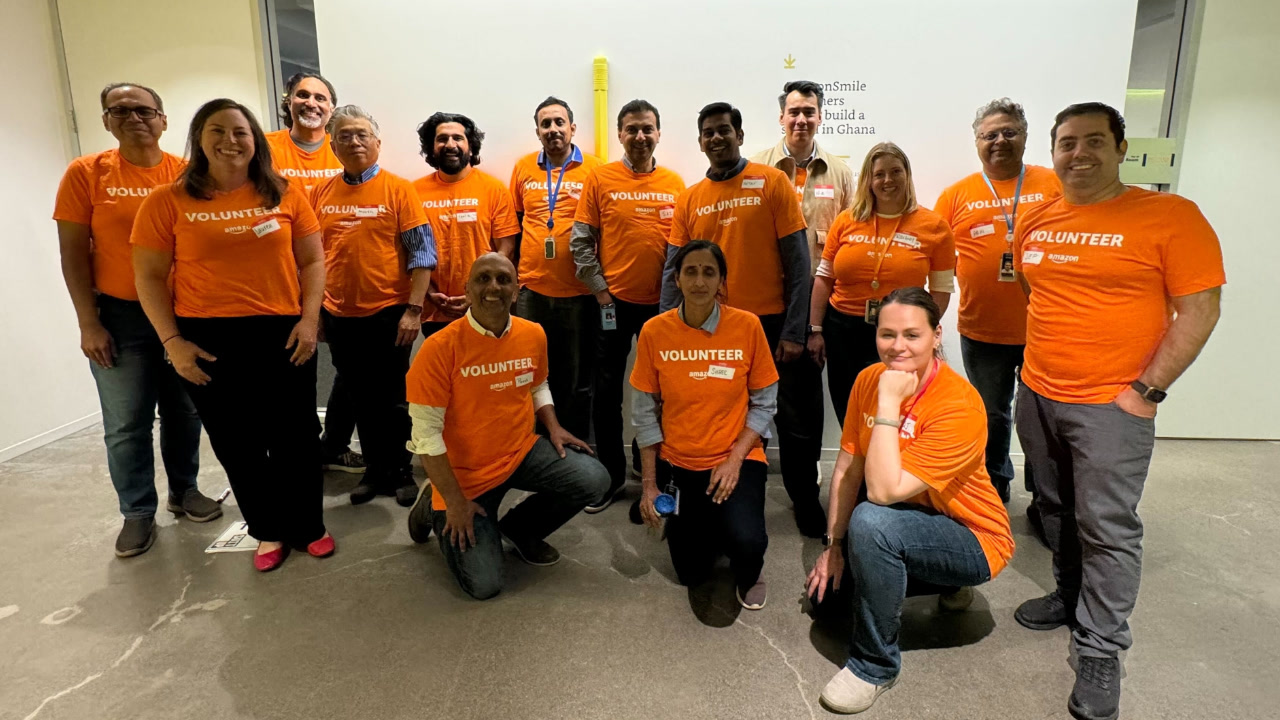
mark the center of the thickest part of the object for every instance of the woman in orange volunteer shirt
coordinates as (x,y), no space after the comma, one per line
(97,201)
(915,433)
(884,242)
(240,323)
(706,389)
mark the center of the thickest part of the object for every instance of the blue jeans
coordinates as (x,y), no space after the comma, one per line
(886,546)
(993,371)
(129,392)
(561,487)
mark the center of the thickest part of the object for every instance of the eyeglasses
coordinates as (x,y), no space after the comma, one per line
(346,138)
(1007,133)
(120,112)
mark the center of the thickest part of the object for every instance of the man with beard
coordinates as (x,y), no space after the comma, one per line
(546,186)
(619,245)
(469,210)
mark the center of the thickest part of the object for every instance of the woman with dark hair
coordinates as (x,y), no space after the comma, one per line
(915,434)
(240,323)
(706,389)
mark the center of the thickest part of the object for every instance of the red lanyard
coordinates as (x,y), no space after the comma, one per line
(933,372)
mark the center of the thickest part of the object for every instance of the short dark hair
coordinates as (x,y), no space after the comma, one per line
(721,108)
(637,107)
(116,86)
(552,100)
(1114,119)
(804,87)
(285,116)
(195,178)
(427,136)
(696,245)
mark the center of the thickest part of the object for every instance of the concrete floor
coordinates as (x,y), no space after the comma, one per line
(381,631)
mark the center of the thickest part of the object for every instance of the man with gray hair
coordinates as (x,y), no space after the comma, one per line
(982,210)
(379,254)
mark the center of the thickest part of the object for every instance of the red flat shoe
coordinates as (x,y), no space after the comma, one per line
(323,547)
(268,561)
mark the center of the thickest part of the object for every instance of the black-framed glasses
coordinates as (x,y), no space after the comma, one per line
(1007,133)
(120,112)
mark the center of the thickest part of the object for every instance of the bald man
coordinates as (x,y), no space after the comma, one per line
(474,391)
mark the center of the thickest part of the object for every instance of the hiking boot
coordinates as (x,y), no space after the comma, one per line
(1045,613)
(195,506)
(1096,695)
(135,537)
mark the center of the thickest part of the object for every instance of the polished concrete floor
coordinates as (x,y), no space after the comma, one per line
(380,631)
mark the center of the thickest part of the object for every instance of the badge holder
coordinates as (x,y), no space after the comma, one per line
(1007,273)
(549,248)
(609,317)
(872,314)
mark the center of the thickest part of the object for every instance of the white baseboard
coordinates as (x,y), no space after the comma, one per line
(45,438)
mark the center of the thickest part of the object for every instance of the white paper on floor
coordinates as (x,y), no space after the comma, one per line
(235,538)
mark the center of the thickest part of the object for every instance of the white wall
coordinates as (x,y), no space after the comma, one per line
(1229,162)
(45,385)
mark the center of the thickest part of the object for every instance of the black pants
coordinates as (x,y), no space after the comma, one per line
(431,328)
(368,360)
(703,530)
(799,421)
(570,324)
(851,348)
(612,349)
(259,409)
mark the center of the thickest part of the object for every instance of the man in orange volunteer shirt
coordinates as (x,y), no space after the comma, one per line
(474,391)
(379,254)
(619,245)
(97,201)
(303,153)
(750,211)
(1103,265)
(983,210)
(546,186)
(470,212)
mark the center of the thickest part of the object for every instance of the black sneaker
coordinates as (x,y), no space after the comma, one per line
(606,501)
(348,461)
(135,537)
(1045,613)
(195,506)
(534,551)
(421,516)
(1096,695)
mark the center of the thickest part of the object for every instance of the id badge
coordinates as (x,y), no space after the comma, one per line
(873,312)
(549,248)
(1006,268)
(608,317)
(674,492)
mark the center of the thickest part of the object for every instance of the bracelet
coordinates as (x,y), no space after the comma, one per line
(887,422)
(166,342)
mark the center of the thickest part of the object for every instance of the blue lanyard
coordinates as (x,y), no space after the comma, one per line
(551,196)
(1008,219)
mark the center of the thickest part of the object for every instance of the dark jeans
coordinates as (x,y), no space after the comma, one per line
(1090,466)
(570,324)
(561,487)
(851,348)
(993,369)
(373,367)
(799,421)
(612,349)
(129,393)
(885,547)
(339,416)
(703,529)
(259,410)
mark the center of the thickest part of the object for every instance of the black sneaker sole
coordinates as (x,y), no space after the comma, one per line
(133,552)
(1079,714)
(522,556)
(178,510)
(424,499)
(609,497)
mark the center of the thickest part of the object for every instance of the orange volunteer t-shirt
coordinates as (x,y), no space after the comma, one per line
(918,243)
(485,384)
(555,277)
(363,256)
(745,215)
(633,212)
(991,311)
(307,169)
(703,379)
(1101,276)
(231,256)
(943,443)
(104,191)
(466,216)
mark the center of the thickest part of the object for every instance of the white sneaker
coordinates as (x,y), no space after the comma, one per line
(847,693)
(957,601)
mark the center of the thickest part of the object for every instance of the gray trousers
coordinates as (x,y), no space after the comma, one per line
(1089,464)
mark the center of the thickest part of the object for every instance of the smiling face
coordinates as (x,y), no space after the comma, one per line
(450,147)
(718,139)
(904,338)
(1001,142)
(356,144)
(639,136)
(1085,154)
(227,140)
(555,131)
(133,129)
(491,286)
(889,182)
(310,105)
(800,119)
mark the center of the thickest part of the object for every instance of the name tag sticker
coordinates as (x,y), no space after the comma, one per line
(266,227)
(466,216)
(1032,257)
(666,213)
(909,426)
(907,239)
(367,211)
(824,191)
(978,231)
(524,379)
(752,182)
(722,372)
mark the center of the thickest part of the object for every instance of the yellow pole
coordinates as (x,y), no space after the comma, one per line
(600,85)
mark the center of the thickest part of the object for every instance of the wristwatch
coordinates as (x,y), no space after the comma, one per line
(1148,393)
(416,308)
(815,329)
(828,541)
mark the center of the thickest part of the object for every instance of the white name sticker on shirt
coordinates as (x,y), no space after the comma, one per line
(752,183)
(266,227)
(666,213)
(721,372)
(524,379)
(907,239)
(979,231)
(466,216)
(824,191)
(1032,257)
(909,427)
(366,211)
